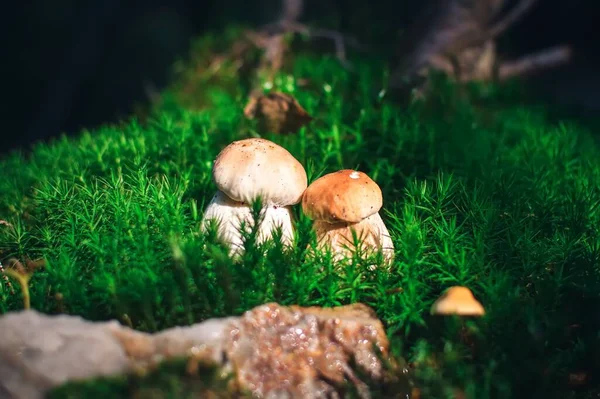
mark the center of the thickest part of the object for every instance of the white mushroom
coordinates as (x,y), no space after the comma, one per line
(343,202)
(245,170)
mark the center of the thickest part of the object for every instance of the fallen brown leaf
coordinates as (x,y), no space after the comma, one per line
(277,113)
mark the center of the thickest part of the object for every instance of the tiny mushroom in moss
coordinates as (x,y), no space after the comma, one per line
(248,169)
(342,202)
(457,300)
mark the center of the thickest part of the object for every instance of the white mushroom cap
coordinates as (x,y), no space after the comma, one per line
(249,168)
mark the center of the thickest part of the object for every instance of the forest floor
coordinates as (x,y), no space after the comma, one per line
(480,190)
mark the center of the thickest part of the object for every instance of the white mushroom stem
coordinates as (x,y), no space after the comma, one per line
(371,233)
(230,214)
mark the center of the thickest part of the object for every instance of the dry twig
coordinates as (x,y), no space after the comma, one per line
(512,18)
(533,62)
(272,35)
(23,273)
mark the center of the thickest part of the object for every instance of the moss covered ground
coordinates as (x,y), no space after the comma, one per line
(479,189)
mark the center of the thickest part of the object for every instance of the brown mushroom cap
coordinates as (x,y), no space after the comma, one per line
(343,196)
(248,168)
(458,300)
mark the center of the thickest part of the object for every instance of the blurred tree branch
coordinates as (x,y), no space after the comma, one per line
(509,20)
(459,37)
(271,38)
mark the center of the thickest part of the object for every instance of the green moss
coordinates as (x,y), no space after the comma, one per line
(172,379)
(477,192)
(188,378)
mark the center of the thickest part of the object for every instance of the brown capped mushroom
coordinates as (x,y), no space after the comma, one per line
(343,202)
(457,300)
(245,170)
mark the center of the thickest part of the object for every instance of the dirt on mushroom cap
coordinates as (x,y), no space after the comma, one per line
(251,167)
(343,196)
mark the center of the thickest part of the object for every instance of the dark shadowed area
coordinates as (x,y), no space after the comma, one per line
(79,64)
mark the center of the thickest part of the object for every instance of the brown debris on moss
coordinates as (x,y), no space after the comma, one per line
(277,113)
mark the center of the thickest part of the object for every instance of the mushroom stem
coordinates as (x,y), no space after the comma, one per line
(371,233)
(230,215)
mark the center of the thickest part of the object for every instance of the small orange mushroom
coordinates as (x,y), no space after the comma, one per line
(457,300)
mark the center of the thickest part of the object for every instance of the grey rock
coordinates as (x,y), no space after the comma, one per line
(273,351)
(38,352)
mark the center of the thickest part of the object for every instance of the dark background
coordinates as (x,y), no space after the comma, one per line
(75,64)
